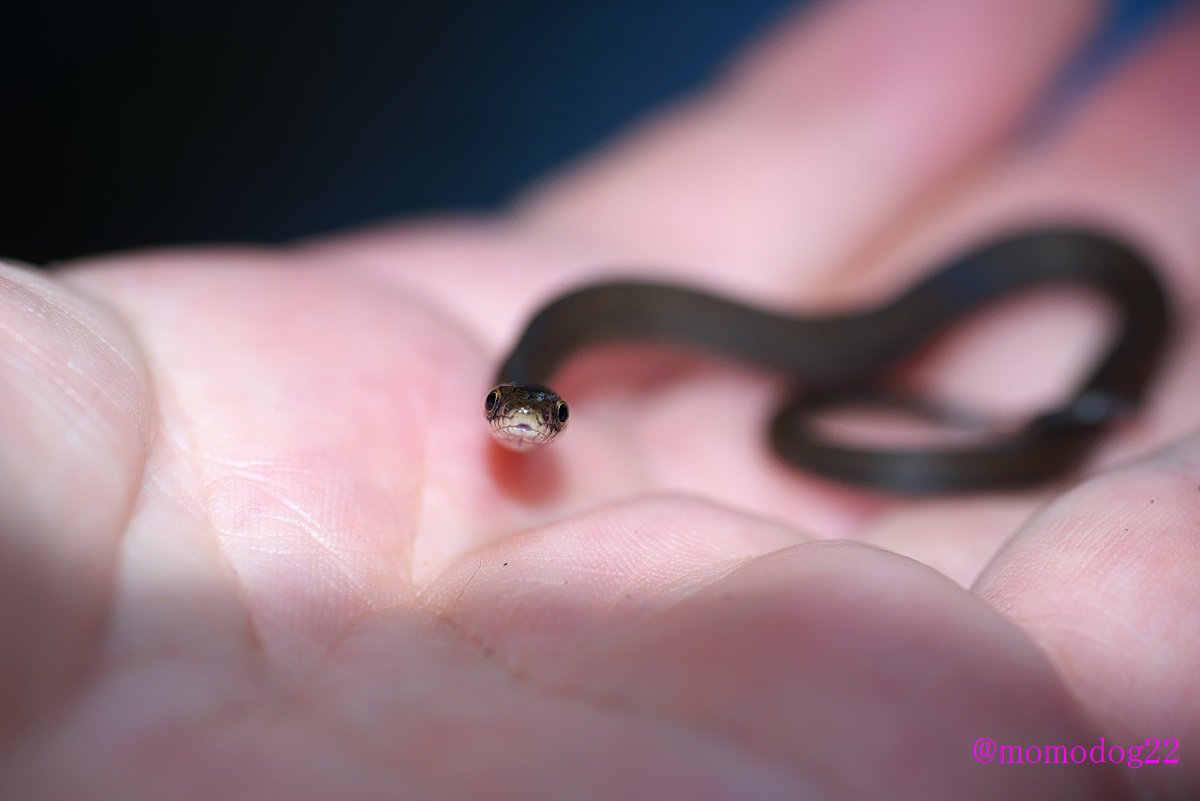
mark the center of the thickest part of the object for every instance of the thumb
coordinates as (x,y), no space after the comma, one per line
(75,424)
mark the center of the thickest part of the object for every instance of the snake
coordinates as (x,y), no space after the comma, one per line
(852,358)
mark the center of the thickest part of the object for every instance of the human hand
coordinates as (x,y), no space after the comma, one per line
(257,542)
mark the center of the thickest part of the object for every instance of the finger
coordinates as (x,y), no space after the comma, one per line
(815,139)
(796,656)
(810,650)
(76,421)
(1104,580)
(1127,155)
(623,559)
(1128,160)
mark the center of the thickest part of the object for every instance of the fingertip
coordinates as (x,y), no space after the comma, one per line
(1105,580)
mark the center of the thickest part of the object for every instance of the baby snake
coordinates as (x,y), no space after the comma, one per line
(846,358)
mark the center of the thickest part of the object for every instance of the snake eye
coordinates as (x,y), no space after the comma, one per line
(492,399)
(562,412)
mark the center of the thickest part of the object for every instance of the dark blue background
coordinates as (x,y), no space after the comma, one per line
(150,122)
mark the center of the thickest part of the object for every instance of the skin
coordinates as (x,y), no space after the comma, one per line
(256,541)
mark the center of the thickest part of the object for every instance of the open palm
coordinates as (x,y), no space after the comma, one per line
(256,542)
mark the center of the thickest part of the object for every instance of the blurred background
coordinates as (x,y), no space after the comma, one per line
(147,122)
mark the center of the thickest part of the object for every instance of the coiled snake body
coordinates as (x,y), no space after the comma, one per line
(844,358)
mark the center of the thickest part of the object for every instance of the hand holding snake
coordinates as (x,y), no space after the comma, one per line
(258,542)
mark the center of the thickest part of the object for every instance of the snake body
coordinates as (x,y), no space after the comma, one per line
(845,358)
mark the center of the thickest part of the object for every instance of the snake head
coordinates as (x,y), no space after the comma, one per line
(524,416)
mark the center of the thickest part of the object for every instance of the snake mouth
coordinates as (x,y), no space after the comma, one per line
(521,430)
(520,436)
